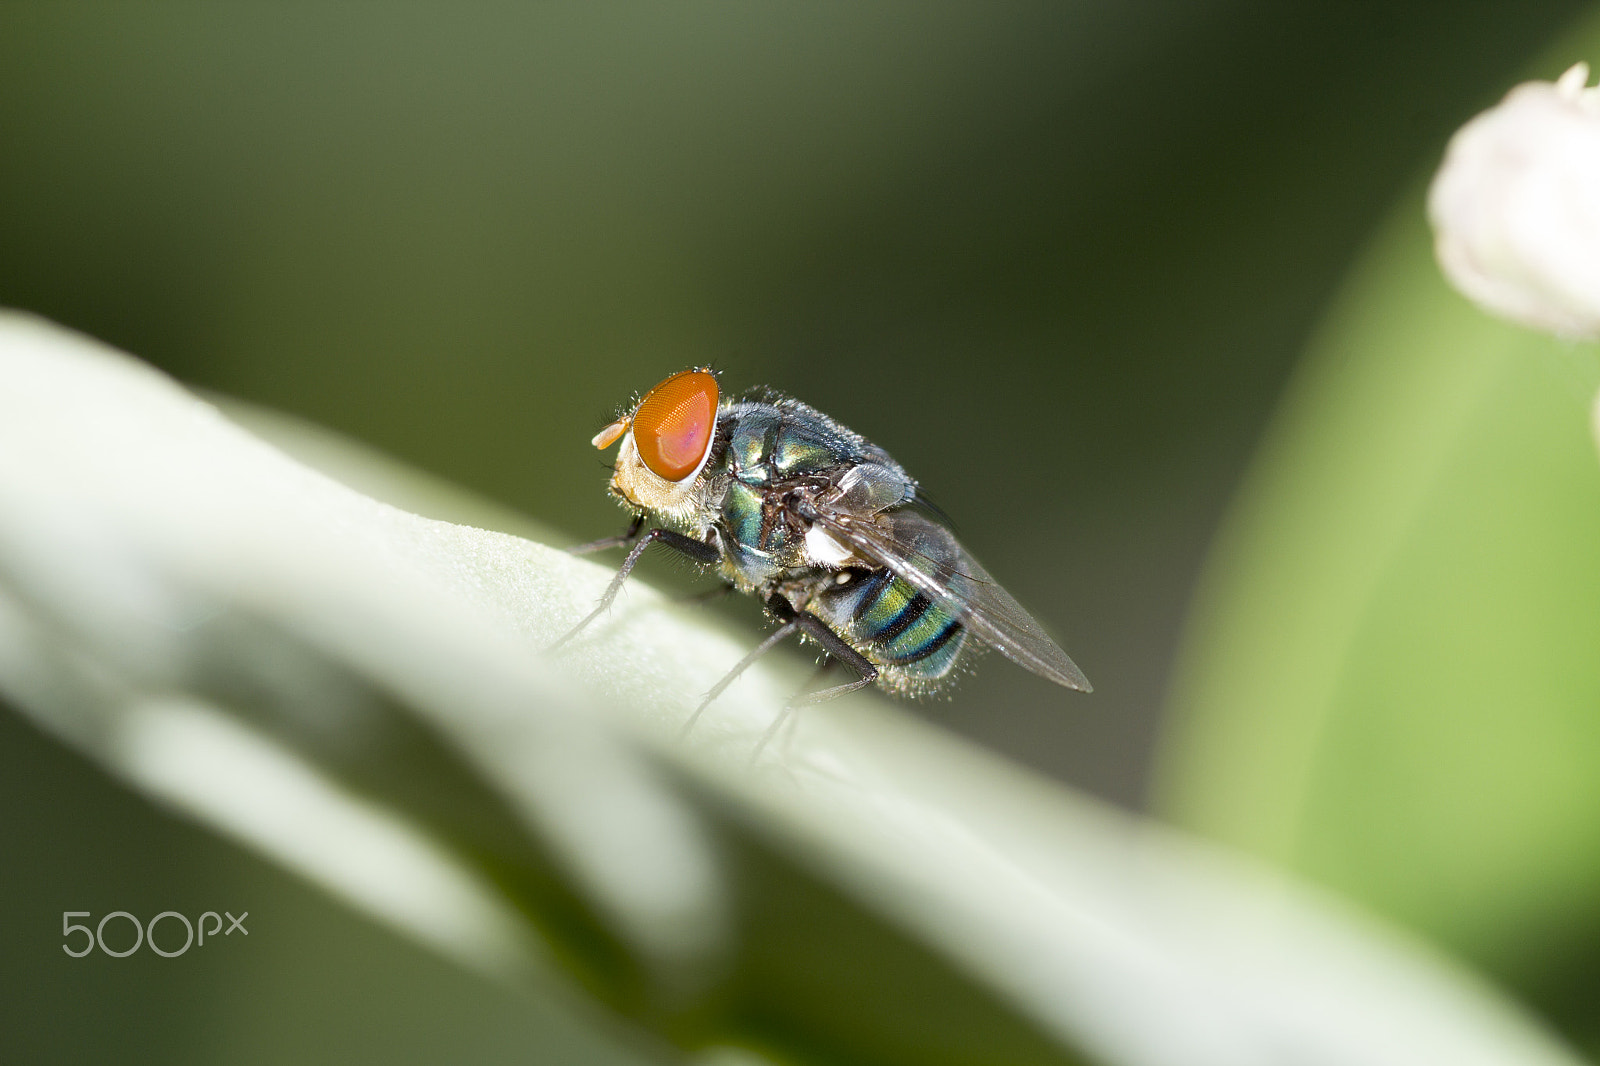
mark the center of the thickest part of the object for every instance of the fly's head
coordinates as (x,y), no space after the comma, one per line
(666,441)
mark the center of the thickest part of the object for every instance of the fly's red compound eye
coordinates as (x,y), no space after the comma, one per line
(674,424)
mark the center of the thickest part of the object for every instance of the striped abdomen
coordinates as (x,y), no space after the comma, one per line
(913,640)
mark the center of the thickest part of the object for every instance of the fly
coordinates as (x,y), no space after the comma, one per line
(818,523)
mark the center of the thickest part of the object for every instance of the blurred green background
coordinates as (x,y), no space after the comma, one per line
(1059,259)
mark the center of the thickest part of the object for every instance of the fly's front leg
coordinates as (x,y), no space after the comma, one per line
(698,550)
(620,541)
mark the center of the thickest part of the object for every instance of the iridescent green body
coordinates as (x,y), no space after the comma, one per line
(773,460)
(823,526)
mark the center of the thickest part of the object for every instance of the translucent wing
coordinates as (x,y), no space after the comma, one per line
(930,559)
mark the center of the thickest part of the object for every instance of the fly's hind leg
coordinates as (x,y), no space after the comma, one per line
(836,648)
(698,550)
(824,668)
(776,637)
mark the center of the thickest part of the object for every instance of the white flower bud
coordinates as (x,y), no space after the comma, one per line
(1516,207)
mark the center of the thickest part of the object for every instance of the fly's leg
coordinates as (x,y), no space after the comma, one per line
(620,541)
(837,648)
(698,550)
(623,540)
(777,636)
(824,668)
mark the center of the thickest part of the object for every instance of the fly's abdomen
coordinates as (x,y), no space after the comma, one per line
(911,638)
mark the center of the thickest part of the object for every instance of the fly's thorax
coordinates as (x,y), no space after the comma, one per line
(781,459)
(771,441)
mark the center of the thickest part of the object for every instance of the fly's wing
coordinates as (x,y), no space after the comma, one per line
(867,488)
(930,559)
